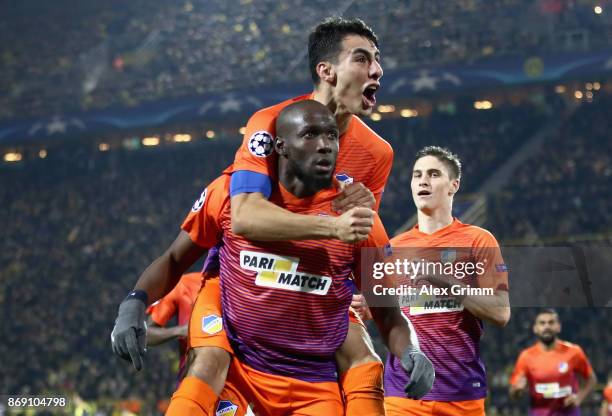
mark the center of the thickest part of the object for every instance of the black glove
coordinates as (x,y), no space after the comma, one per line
(129,336)
(421,372)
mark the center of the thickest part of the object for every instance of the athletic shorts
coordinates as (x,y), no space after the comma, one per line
(269,394)
(398,406)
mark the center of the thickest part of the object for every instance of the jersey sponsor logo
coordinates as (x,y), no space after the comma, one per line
(280,272)
(261,144)
(212,324)
(553,390)
(200,202)
(563,367)
(344,178)
(426,304)
(226,408)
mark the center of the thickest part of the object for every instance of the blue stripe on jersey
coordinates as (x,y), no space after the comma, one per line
(246,181)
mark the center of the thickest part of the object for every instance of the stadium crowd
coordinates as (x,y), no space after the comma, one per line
(98,55)
(80,225)
(564,189)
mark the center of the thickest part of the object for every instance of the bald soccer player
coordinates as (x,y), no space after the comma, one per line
(284,348)
(344,61)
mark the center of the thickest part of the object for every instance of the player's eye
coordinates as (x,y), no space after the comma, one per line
(361,59)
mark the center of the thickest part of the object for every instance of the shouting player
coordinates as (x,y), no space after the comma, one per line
(550,369)
(285,303)
(344,63)
(448,325)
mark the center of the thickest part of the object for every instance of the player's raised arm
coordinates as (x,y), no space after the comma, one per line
(256,218)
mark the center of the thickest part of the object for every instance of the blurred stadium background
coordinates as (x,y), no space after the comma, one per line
(114,115)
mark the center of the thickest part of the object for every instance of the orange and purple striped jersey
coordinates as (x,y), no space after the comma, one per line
(551,375)
(284,303)
(446,332)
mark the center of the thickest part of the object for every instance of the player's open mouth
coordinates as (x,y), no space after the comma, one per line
(369,95)
(424,193)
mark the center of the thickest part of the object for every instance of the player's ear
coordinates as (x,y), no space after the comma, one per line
(279,146)
(326,72)
(454,188)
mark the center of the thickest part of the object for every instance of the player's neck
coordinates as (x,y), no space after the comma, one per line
(548,347)
(326,97)
(298,187)
(430,222)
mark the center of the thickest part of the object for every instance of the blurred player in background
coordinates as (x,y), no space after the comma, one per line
(447,327)
(285,345)
(178,303)
(606,404)
(551,370)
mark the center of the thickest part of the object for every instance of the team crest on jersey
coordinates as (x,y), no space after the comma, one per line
(563,367)
(212,324)
(226,408)
(281,272)
(261,144)
(200,202)
(448,256)
(344,178)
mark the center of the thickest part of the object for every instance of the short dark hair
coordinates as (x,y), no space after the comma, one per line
(325,41)
(450,159)
(547,311)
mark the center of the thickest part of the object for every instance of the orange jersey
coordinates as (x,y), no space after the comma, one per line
(178,302)
(363,157)
(446,332)
(551,374)
(607,396)
(202,223)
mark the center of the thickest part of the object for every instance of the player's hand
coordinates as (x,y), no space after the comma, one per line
(361,307)
(353,195)
(354,225)
(129,336)
(521,384)
(571,401)
(421,372)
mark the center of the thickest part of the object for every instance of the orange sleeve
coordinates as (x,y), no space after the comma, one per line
(165,308)
(520,367)
(381,174)
(202,223)
(488,254)
(583,366)
(378,238)
(256,153)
